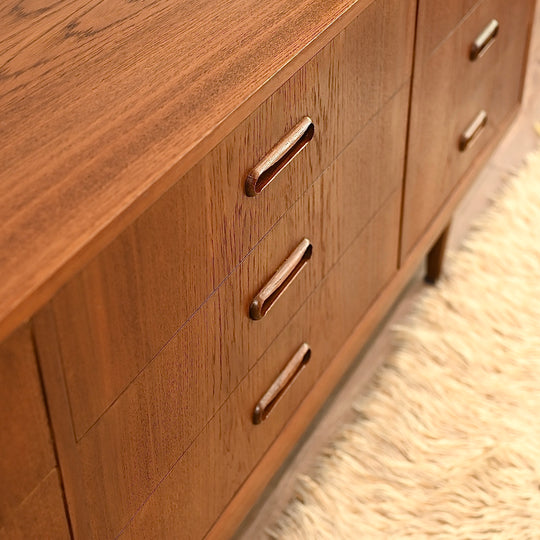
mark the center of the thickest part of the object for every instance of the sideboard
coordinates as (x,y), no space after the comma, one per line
(208,208)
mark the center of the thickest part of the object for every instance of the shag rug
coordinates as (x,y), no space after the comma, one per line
(446,440)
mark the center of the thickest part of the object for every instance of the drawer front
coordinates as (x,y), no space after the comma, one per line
(115,316)
(40,515)
(142,435)
(436,20)
(458,105)
(200,485)
(27,454)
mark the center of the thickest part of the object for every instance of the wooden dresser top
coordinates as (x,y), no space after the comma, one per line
(106,103)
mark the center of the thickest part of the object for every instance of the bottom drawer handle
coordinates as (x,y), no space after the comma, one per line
(282,383)
(472,131)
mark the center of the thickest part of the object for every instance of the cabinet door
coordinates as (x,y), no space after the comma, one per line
(460,101)
(30,494)
(206,477)
(125,456)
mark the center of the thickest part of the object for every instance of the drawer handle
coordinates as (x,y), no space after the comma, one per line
(279,282)
(486,38)
(281,154)
(282,383)
(473,130)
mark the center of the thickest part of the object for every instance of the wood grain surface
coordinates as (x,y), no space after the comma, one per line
(122,309)
(436,21)
(40,515)
(350,352)
(230,445)
(448,93)
(26,455)
(106,104)
(125,455)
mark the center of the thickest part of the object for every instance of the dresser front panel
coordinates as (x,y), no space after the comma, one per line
(450,91)
(116,315)
(203,481)
(140,437)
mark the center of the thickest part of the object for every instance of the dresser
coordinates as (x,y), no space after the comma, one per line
(208,209)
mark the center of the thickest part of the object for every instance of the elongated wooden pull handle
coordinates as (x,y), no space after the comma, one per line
(285,150)
(485,39)
(279,282)
(472,131)
(282,383)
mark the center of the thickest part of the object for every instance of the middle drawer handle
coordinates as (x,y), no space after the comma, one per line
(472,131)
(282,383)
(279,282)
(280,156)
(484,41)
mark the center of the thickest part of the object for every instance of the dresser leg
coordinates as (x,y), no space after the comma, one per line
(434,260)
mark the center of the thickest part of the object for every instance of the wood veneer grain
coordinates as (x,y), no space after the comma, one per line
(442,107)
(59,404)
(106,104)
(40,515)
(123,308)
(230,445)
(125,455)
(436,21)
(26,455)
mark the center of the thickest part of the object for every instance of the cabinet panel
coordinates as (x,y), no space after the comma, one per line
(116,315)
(455,97)
(40,515)
(230,445)
(136,442)
(27,455)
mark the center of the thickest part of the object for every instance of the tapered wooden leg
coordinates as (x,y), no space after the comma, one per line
(435,258)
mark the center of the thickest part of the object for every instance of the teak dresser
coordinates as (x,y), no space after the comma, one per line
(207,208)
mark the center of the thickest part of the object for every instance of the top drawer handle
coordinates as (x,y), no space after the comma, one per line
(486,38)
(285,150)
(279,282)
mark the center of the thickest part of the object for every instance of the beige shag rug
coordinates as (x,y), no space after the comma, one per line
(446,441)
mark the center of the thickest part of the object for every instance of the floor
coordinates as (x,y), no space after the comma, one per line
(520,140)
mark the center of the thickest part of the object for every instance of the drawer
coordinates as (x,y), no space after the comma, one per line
(27,453)
(203,481)
(437,19)
(118,313)
(140,437)
(40,513)
(450,91)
